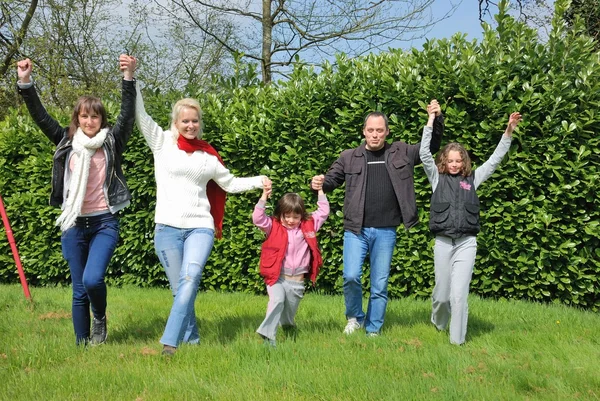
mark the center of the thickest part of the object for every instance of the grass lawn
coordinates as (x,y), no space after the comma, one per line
(515,351)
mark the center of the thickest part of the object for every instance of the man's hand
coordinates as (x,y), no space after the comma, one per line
(317,182)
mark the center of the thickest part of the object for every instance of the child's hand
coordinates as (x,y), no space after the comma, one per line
(267,188)
(434,108)
(514,120)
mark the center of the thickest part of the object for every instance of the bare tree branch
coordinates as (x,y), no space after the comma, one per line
(287,28)
(15,44)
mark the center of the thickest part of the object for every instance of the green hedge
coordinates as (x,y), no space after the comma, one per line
(540,236)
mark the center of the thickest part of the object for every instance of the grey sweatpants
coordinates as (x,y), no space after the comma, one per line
(284,298)
(453,262)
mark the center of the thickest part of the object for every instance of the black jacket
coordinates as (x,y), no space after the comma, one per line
(400,160)
(115,144)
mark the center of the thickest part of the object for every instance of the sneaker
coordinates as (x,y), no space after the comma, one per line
(267,342)
(169,350)
(373,334)
(352,326)
(99,332)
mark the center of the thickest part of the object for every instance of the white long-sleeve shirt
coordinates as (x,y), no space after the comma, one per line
(181,178)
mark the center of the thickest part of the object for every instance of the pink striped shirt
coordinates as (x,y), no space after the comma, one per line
(94,200)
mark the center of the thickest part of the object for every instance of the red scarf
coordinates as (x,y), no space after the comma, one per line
(216,195)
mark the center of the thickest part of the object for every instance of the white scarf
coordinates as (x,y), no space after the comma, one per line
(84,147)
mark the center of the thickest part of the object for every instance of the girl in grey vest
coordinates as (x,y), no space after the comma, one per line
(454,220)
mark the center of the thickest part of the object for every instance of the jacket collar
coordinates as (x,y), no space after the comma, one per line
(361,149)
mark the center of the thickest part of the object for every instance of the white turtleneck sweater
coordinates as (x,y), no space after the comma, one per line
(181,178)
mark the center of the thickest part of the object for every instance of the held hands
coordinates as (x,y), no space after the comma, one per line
(514,120)
(316,183)
(267,188)
(127,65)
(24,68)
(433,110)
(434,107)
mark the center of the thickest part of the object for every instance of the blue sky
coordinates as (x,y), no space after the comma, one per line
(465,19)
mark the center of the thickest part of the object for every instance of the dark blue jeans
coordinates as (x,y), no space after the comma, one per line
(88,247)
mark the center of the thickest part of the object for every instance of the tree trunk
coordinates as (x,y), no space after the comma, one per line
(267,29)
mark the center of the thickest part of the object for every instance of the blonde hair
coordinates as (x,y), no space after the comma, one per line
(178,108)
(442,159)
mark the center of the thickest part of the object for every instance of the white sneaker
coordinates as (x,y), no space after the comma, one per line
(352,326)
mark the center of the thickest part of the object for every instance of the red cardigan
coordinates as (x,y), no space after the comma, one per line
(274,247)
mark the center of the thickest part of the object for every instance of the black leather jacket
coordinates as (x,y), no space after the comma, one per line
(400,157)
(114,145)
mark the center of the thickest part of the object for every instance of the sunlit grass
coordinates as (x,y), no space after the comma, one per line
(514,351)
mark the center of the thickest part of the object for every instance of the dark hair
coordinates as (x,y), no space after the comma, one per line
(89,104)
(442,159)
(377,114)
(290,203)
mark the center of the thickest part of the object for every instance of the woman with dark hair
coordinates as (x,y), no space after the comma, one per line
(88,184)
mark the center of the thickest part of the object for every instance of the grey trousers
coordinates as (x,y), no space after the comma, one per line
(284,298)
(453,262)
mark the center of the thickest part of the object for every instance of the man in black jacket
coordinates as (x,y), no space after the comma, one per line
(379,196)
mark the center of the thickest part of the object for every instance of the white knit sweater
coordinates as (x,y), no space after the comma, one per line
(181,178)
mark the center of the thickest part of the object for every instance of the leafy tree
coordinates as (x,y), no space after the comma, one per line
(15,19)
(589,12)
(14,24)
(75,44)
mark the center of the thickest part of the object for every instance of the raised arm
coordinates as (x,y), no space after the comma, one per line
(49,126)
(320,215)
(124,124)
(438,127)
(259,216)
(487,169)
(425,149)
(152,132)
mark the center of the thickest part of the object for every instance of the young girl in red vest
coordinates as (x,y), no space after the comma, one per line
(289,254)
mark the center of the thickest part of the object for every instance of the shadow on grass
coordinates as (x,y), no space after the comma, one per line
(227,329)
(477,325)
(137,330)
(417,315)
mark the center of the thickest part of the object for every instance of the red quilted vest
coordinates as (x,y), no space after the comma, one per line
(273,251)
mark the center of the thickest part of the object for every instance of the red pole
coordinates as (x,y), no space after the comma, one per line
(13,246)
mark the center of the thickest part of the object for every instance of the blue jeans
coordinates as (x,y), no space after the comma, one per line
(379,244)
(88,247)
(183,252)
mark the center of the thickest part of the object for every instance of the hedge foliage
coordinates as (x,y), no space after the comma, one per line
(540,236)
